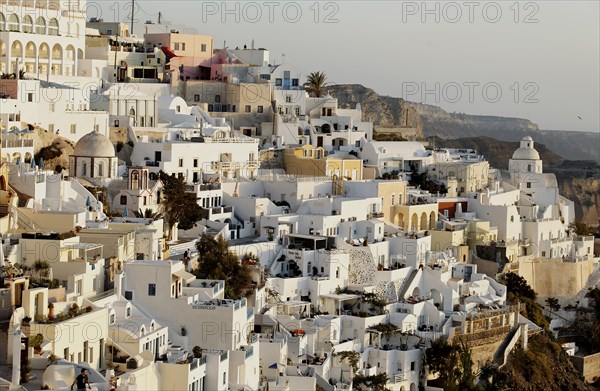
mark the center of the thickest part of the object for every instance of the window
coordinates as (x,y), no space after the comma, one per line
(297,111)
(151,289)
(196,98)
(73,128)
(512,219)
(52,107)
(101,169)
(295,83)
(278,82)
(180,162)
(51,128)
(543,253)
(108,31)
(145,200)
(224,377)
(248,108)
(178,109)
(116,123)
(259,109)
(128,295)
(217,98)
(412,365)
(393,199)
(203,47)
(529,185)
(112,318)
(210,108)
(128,312)
(195,162)
(30,97)
(288,99)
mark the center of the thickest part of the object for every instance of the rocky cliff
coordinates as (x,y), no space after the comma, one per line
(383,111)
(433,120)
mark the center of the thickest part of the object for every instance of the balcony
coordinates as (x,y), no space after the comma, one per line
(374,215)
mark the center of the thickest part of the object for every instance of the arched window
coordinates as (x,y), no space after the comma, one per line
(123,200)
(27,24)
(53,27)
(132,116)
(2,22)
(13,23)
(40,25)
(145,201)
(135,179)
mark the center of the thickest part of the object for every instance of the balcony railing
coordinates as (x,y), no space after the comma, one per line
(17,143)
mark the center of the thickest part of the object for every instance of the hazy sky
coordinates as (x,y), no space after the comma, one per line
(535,60)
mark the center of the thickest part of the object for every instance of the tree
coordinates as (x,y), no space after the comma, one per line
(217,262)
(197,351)
(42,268)
(553,305)
(453,364)
(179,206)
(581,229)
(519,291)
(315,83)
(147,214)
(373,382)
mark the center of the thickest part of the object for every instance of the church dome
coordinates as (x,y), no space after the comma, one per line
(94,144)
(526,151)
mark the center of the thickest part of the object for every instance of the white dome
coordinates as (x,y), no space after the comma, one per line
(526,154)
(94,144)
(526,151)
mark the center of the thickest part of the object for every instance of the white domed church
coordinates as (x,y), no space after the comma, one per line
(94,159)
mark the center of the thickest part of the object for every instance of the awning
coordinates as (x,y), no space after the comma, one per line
(185,276)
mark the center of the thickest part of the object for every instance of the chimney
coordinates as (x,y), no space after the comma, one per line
(119,283)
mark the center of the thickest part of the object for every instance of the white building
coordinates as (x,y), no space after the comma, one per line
(61,107)
(42,38)
(94,159)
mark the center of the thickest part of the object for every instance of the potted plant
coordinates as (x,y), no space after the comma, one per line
(51,311)
(26,321)
(36,342)
(89,308)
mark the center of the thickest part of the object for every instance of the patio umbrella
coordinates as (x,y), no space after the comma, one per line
(41,163)
(33,165)
(125,212)
(88,202)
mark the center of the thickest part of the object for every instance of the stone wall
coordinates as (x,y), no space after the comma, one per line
(589,366)
(554,278)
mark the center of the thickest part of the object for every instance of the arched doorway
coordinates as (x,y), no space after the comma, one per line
(424,224)
(438,299)
(414,222)
(416,292)
(3,183)
(432,220)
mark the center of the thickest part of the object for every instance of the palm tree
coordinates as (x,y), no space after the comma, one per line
(315,83)
(42,268)
(147,214)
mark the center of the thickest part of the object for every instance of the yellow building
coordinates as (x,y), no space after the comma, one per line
(391,192)
(228,97)
(470,176)
(312,161)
